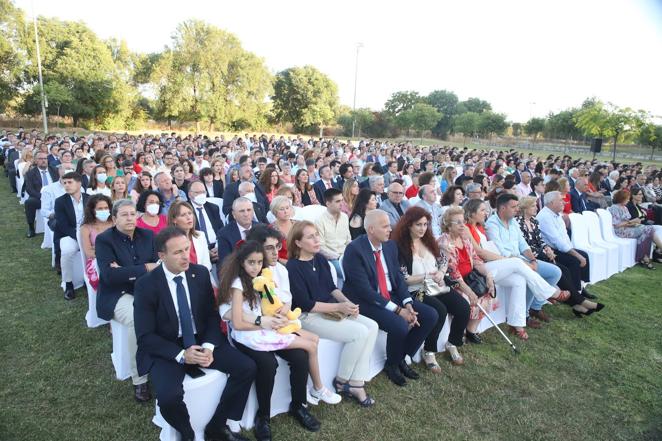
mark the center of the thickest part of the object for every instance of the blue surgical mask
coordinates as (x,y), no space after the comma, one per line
(102,215)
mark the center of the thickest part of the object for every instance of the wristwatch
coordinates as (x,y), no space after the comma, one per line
(258,320)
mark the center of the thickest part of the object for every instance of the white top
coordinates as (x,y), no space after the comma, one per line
(421,265)
(104,191)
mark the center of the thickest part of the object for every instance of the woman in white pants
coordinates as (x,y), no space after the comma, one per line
(328,313)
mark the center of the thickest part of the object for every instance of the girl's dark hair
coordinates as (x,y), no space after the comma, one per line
(233,268)
(361,203)
(138,187)
(402,236)
(89,215)
(142,199)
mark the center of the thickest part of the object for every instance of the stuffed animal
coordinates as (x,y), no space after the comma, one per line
(270,303)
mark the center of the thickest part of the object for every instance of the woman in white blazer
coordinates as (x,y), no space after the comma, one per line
(180,215)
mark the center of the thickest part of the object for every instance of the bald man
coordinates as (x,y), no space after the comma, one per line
(374,282)
(395,206)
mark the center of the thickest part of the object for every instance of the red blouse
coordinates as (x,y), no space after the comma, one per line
(567,204)
(463,261)
(193,256)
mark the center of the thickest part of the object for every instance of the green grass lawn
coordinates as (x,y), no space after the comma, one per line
(597,378)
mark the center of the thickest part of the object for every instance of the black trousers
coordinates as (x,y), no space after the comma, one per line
(577,273)
(566,282)
(12,181)
(401,340)
(450,303)
(31,206)
(266,364)
(167,377)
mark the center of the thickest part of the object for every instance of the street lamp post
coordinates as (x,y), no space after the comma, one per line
(356,76)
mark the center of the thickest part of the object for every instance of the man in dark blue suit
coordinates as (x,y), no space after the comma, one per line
(69,211)
(232,190)
(324,183)
(578,196)
(178,329)
(207,216)
(228,236)
(36,178)
(124,253)
(373,281)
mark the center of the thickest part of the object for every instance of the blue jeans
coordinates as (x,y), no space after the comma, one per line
(339,273)
(552,274)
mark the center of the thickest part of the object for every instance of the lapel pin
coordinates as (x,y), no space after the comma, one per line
(193,276)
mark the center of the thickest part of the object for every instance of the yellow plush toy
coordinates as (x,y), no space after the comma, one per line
(270,303)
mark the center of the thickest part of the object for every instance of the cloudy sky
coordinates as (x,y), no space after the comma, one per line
(527,58)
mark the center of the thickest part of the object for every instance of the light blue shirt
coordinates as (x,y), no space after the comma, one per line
(553,230)
(435,211)
(507,237)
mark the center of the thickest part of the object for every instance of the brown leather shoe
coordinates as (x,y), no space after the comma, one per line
(533,323)
(540,315)
(141,392)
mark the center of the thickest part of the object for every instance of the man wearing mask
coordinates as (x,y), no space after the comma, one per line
(35,179)
(207,216)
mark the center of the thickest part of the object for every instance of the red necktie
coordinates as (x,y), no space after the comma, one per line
(381,276)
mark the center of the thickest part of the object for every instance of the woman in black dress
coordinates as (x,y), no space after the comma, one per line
(365,201)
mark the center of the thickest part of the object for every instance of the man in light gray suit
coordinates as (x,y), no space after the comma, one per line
(428,196)
(394,206)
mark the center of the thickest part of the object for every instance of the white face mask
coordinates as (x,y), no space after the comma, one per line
(200,199)
(153,209)
(101,177)
(251,197)
(102,215)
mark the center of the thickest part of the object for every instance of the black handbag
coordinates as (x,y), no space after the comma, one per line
(477,282)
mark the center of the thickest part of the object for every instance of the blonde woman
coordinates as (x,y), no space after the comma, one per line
(118,189)
(282,209)
(350,191)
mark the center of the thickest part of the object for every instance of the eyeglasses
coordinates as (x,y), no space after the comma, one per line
(456,222)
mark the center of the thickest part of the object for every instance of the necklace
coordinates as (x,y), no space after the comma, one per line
(312,263)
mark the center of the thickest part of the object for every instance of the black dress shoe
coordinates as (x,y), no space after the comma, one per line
(225,434)
(305,418)
(588,295)
(30,234)
(262,429)
(393,373)
(408,371)
(141,393)
(69,294)
(474,338)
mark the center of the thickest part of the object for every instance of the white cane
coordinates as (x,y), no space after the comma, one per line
(498,329)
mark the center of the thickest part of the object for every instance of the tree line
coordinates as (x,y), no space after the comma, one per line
(204,76)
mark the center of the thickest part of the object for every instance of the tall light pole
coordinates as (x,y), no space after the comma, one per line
(356,76)
(41,80)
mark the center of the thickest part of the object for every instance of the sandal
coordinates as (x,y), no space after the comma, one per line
(456,358)
(646,264)
(432,365)
(562,296)
(344,389)
(520,333)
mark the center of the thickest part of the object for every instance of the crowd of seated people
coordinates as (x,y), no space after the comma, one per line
(408,235)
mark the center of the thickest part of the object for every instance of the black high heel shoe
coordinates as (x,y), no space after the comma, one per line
(578,314)
(599,307)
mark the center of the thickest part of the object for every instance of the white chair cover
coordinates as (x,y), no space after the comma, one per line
(201,396)
(597,256)
(310,213)
(91,316)
(596,240)
(628,247)
(120,356)
(38,223)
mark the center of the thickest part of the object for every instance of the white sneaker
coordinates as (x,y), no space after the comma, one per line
(325,395)
(311,399)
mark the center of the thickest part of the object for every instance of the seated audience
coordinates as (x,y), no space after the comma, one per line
(96,220)
(150,205)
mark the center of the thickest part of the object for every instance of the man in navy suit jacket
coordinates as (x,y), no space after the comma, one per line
(232,190)
(387,301)
(69,211)
(228,236)
(34,180)
(178,328)
(324,183)
(578,197)
(124,254)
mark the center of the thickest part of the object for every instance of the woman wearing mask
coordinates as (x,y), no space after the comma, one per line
(150,204)
(98,182)
(96,220)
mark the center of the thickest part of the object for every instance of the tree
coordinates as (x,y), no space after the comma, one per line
(12,56)
(651,136)
(475,105)
(420,117)
(562,125)
(361,118)
(517,129)
(610,121)
(534,126)
(490,123)
(305,97)
(402,101)
(446,103)
(466,123)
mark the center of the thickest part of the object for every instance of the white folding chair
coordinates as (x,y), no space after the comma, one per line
(627,247)
(310,213)
(91,316)
(120,356)
(596,255)
(39,223)
(595,238)
(216,201)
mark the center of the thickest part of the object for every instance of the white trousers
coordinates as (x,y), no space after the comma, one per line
(516,275)
(124,314)
(68,248)
(358,334)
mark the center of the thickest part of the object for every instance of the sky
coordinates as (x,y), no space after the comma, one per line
(527,58)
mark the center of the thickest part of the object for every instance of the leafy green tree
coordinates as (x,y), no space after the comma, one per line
(446,103)
(402,101)
(12,55)
(517,129)
(305,97)
(475,105)
(490,123)
(562,125)
(466,123)
(534,127)
(420,117)
(651,135)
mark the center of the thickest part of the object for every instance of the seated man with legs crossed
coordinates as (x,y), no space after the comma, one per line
(178,328)
(373,281)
